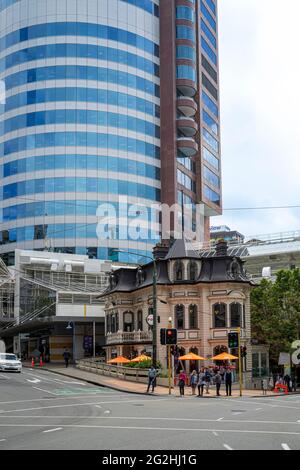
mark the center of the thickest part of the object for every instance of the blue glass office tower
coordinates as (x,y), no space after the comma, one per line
(81,124)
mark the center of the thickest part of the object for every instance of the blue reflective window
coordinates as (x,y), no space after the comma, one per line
(100,118)
(211,5)
(185,13)
(208,102)
(210,158)
(208,16)
(210,36)
(210,122)
(185,32)
(210,140)
(186,52)
(86,139)
(79,50)
(211,177)
(186,72)
(79,29)
(70,184)
(207,49)
(73,72)
(212,195)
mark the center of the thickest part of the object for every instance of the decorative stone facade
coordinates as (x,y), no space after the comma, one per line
(205,304)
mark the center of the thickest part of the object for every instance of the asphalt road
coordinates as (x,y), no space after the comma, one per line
(43,410)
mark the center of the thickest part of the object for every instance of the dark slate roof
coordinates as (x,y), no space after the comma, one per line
(182,249)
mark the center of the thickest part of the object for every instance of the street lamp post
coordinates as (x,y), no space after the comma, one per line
(154,299)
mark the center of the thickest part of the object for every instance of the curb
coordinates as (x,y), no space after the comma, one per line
(118,389)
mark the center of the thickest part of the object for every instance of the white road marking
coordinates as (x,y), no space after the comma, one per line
(220,419)
(107,412)
(78,397)
(258,409)
(227,447)
(98,406)
(141,418)
(285,447)
(4,377)
(141,428)
(81,404)
(215,433)
(254,402)
(2,440)
(53,430)
(34,381)
(46,391)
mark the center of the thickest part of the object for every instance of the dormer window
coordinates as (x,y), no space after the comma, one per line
(193,271)
(178,271)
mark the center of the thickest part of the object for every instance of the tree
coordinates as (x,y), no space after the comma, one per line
(275,312)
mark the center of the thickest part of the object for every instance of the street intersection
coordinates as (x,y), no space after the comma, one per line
(41,410)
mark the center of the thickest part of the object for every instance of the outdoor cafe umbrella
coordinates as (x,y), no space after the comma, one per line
(191,357)
(224,357)
(119,360)
(141,358)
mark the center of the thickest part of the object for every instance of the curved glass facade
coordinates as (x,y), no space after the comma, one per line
(81,123)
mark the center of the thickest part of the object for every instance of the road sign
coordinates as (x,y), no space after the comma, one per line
(149,319)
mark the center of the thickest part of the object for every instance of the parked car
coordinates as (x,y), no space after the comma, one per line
(10,362)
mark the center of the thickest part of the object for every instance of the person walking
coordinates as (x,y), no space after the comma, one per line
(66,356)
(207,380)
(228,382)
(194,381)
(182,381)
(151,379)
(265,386)
(201,383)
(218,382)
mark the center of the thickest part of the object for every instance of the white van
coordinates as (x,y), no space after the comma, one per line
(10,362)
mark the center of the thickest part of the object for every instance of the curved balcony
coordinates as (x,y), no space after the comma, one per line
(187,106)
(187,126)
(133,337)
(187,146)
(186,87)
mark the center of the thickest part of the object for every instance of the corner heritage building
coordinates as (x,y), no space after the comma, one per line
(205,297)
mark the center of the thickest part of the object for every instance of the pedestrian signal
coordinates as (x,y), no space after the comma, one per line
(171,336)
(233,340)
(163,336)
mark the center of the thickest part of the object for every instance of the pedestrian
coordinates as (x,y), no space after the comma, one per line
(201,383)
(287,380)
(66,356)
(265,386)
(218,382)
(194,381)
(151,379)
(271,383)
(228,382)
(182,381)
(207,380)
(222,373)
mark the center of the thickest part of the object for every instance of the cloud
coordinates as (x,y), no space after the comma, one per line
(260,102)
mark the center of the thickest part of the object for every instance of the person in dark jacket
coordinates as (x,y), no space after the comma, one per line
(228,382)
(218,382)
(66,356)
(151,379)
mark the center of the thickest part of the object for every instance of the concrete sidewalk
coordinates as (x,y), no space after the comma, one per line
(140,388)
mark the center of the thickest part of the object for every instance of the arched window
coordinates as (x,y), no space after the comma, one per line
(219,315)
(220,350)
(128,322)
(193,271)
(179,317)
(193,317)
(178,271)
(235,315)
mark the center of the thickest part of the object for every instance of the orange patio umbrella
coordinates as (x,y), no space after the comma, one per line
(191,357)
(119,360)
(141,358)
(224,357)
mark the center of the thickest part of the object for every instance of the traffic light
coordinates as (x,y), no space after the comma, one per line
(243,351)
(163,336)
(171,336)
(233,340)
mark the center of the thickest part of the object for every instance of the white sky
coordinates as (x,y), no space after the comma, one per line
(260,105)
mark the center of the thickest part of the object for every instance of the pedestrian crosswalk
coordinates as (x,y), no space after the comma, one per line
(82,391)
